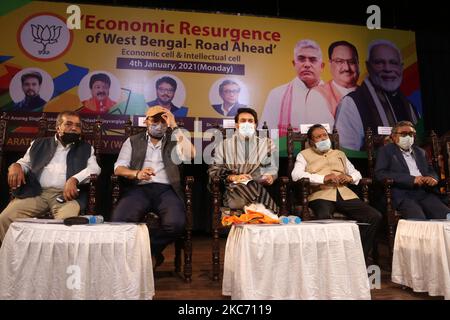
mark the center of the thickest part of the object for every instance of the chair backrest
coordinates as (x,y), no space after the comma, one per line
(92,132)
(302,138)
(47,128)
(445,147)
(3,125)
(436,154)
(372,142)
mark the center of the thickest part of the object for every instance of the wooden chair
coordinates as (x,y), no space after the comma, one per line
(444,157)
(92,132)
(217,189)
(373,142)
(184,242)
(301,189)
(444,161)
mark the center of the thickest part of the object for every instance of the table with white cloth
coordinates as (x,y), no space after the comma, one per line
(421,257)
(303,261)
(54,261)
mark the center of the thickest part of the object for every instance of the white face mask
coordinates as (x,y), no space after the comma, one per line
(324,145)
(405,142)
(247,129)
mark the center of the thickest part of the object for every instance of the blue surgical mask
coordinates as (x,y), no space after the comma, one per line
(247,129)
(406,142)
(157,130)
(324,145)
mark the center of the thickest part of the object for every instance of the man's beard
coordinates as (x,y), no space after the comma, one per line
(389,86)
(31,93)
(164,100)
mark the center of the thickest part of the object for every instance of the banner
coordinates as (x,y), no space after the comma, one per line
(200,65)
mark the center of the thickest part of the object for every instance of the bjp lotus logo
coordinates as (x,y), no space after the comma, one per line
(44,36)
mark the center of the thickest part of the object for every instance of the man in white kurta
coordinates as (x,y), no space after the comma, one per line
(344,68)
(286,104)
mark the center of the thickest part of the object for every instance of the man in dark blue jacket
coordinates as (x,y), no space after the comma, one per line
(413,191)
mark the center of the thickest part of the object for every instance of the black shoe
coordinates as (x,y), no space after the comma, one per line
(158,260)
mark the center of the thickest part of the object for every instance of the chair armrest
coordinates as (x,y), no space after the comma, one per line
(115,190)
(92,194)
(447,189)
(189,181)
(284,182)
(365,181)
(388,182)
(305,187)
(217,201)
(303,193)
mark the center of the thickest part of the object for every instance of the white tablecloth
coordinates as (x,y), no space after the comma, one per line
(421,258)
(54,261)
(305,261)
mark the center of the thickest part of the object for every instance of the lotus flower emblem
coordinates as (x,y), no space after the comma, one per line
(45,35)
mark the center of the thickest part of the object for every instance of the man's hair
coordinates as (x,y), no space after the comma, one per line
(246,110)
(59,118)
(103,77)
(402,124)
(33,74)
(168,80)
(380,42)
(307,43)
(312,128)
(225,83)
(342,43)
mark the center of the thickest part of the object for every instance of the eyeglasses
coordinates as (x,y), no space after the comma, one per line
(162,90)
(235,91)
(341,62)
(405,133)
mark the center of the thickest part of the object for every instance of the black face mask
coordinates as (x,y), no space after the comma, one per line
(70,137)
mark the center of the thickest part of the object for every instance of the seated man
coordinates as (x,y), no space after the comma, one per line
(241,158)
(329,171)
(414,178)
(148,159)
(52,168)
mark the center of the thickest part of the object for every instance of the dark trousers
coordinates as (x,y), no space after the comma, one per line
(419,204)
(355,209)
(160,199)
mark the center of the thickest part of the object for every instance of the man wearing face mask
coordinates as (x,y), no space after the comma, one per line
(53,167)
(244,162)
(413,194)
(151,161)
(329,171)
